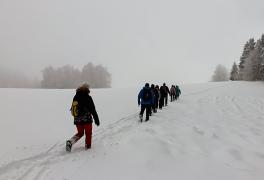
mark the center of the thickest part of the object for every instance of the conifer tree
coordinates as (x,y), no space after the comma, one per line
(248,48)
(234,73)
(261,59)
(252,69)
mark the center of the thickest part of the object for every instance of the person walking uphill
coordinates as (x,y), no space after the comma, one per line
(154,96)
(167,92)
(178,92)
(146,99)
(172,93)
(164,91)
(83,111)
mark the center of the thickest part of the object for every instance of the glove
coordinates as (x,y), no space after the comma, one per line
(97,123)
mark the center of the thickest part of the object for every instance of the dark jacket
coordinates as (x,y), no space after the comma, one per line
(87,111)
(178,91)
(148,101)
(167,90)
(164,90)
(156,92)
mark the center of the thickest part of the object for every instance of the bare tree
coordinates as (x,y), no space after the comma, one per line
(103,77)
(88,74)
(62,77)
(69,77)
(96,76)
(220,74)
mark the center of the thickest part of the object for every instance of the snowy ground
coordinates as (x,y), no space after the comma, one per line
(214,132)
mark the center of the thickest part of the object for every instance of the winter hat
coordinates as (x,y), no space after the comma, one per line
(147,85)
(84,87)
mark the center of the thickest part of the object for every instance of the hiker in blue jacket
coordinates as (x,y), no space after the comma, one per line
(146,99)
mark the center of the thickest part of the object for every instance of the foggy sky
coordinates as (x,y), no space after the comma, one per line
(174,41)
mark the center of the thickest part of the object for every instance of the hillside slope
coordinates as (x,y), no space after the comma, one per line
(215,131)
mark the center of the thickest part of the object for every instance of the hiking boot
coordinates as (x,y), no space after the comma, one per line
(141,118)
(87,146)
(68,146)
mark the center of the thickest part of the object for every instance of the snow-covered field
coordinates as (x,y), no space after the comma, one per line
(214,132)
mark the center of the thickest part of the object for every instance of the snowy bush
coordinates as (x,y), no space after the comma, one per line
(220,74)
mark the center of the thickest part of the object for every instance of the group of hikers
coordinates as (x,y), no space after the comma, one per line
(84,112)
(153,97)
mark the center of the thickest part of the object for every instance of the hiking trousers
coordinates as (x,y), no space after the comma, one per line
(81,129)
(148,110)
(161,102)
(166,100)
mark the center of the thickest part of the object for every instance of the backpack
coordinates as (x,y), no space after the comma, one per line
(146,95)
(75,109)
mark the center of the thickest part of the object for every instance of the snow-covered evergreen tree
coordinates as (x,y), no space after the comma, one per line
(252,69)
(262,68)
(261,59)
(220,74)
(248,48)
(234,76)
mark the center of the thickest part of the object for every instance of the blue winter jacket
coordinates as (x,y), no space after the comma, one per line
(142,101)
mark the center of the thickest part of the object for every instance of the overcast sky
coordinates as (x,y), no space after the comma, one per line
(173,41)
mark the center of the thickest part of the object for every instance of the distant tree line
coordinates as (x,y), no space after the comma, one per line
(251,65)
(60,78)
(67,76)
(14,79)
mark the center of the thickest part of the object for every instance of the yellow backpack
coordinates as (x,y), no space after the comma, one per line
(74,109)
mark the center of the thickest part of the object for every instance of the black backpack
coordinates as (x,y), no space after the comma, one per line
(146,95)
